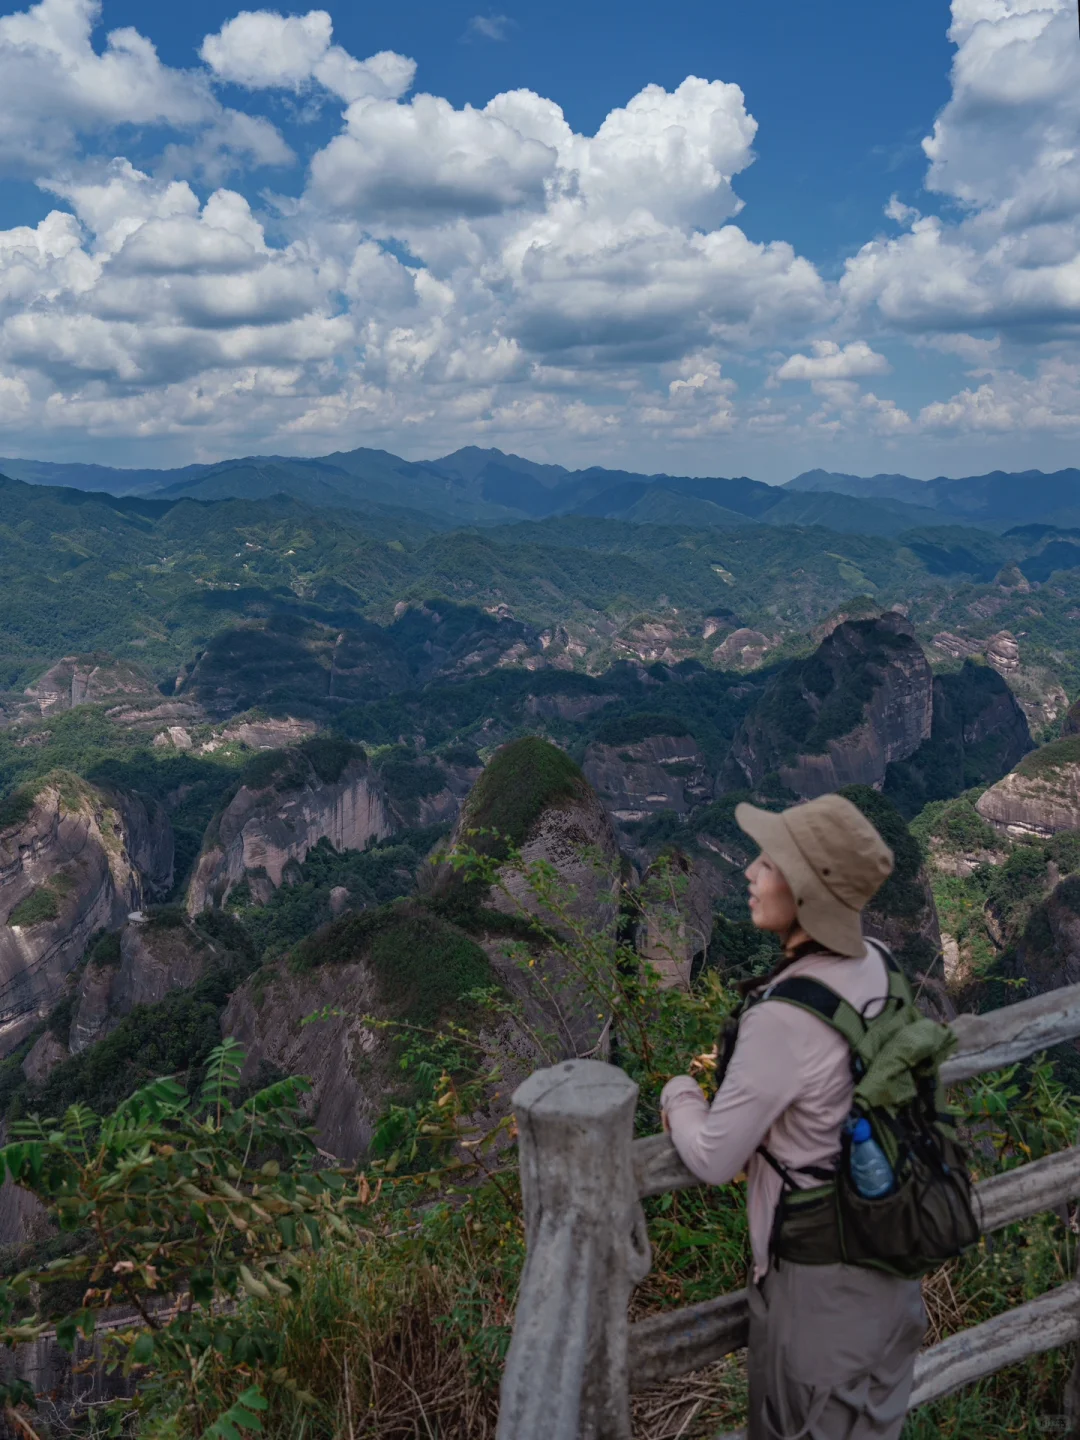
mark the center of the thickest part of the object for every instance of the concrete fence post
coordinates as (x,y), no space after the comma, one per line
(566,1369)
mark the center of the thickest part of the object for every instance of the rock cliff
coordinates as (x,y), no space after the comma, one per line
(535,798)
(640,778)
(1041,796)
(138,967)
(290,801)
(88,679)
(1048,954)
(73,861)
(861,701)
(978,733)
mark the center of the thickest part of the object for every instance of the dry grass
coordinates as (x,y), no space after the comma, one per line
(694,1406)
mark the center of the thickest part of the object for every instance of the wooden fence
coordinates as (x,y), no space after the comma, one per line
(574,1357)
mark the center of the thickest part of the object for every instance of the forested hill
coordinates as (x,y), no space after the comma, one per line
(155,579)
(488,487)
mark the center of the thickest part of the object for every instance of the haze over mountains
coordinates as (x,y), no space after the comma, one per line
(479,486)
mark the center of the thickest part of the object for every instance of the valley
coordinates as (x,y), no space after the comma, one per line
(242,728)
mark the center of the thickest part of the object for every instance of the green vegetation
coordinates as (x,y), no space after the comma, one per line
(15,807)
(630,729)
(956,825)
(40,906)
(408,779)
(521,781)
(172,1037)
(1049,761)
(373,877)
(903,895)
(426,966)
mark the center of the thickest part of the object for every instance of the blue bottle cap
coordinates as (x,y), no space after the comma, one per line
(861,1131)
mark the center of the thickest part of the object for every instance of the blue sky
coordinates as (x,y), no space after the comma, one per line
(561,230)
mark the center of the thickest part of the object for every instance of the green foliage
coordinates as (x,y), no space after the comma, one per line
(956,824)
(104,950)
(903,894)
(203,1197)
(40,906)
(521,781)
(630,729)
(373,877)
(15,807)
(1049,761)
(1018,884)
(409,779)
(173,1036)
(426,966)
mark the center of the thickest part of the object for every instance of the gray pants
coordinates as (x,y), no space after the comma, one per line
(832,1350)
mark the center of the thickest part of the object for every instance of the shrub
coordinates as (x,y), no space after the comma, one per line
(40,906)
(631,729)
(522,780)
(15,808)
(903,894)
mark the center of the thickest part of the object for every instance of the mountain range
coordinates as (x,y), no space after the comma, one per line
(474,486)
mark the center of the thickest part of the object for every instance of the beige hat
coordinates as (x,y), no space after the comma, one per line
(833,859)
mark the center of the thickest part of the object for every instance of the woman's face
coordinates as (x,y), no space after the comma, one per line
(772,905)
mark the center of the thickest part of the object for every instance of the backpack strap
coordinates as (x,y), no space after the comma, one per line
(820,1000)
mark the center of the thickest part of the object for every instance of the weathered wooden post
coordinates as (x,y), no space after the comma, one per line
(566,1373)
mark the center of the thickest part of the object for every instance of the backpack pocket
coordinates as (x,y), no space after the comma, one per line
(925,1220)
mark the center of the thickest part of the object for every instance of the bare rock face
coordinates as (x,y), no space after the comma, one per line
(742,650)
(679,928)
(265,827)
(69,868)
(88,679)
(1071,723)
(861,701)
(574,708)
(339,1055)
(1003,652)
(1048,954)
(1041,795)
(661,772)
(152,960)
(46,1053)
(979,732)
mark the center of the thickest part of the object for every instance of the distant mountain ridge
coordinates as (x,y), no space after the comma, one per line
(475,486)
(996,500)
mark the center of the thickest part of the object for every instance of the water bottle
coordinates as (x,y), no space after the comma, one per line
(871,1173)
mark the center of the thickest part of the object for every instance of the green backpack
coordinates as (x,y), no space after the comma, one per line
(927,1217)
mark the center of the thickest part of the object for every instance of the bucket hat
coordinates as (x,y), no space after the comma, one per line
(833,859)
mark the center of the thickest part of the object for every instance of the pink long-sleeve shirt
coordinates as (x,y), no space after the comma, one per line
(788,1086)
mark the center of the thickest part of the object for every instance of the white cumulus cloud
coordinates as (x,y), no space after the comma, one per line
(262,49)
(830,362)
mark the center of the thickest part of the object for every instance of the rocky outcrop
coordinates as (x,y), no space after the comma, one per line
(267,826)
(979,732)
(71,866)
(1048,954)
(1071,723)
(742,650)
(861,701)
(679,895)
(1041,796)
(660,772)
(555,705)
(153,958)
(87,680)
(337,1054)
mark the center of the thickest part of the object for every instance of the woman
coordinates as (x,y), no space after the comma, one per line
(832,1347)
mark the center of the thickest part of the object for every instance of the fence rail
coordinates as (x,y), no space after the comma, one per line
(573,1359)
